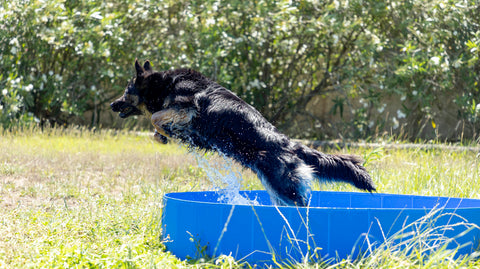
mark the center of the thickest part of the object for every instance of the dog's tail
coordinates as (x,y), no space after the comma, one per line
(346,168)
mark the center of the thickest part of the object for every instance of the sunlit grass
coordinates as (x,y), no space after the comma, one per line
(438,172)
(94,199)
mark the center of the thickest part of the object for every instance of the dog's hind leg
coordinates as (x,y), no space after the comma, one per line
(286,178)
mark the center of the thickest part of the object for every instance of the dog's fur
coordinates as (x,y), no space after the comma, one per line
(187,106)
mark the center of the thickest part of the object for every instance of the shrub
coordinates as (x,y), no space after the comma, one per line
(63,58)
(316,69)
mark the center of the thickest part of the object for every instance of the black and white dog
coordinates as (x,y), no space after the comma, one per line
(187,106)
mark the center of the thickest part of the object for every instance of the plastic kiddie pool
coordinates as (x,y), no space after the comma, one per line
(336,225)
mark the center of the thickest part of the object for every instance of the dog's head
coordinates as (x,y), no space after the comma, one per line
(133,100)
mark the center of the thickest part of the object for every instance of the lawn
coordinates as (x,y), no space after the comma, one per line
(79,198)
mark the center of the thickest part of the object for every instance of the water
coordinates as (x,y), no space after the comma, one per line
(225,177)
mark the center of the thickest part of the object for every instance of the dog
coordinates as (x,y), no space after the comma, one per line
(187,106)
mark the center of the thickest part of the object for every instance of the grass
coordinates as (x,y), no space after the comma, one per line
(77,198)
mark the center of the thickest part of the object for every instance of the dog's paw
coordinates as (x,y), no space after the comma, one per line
(160,138)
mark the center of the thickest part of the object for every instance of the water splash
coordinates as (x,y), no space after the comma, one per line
(225,177)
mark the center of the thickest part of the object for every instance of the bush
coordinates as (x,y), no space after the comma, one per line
(64,58)
(430,62)
(396,66)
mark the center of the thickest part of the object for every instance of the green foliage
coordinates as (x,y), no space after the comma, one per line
(386,66)
(435,60)
(62,58)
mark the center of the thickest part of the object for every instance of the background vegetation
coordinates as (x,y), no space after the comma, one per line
(317,69)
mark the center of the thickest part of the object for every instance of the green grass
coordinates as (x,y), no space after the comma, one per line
(78,198)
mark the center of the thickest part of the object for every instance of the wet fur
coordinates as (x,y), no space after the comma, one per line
(187,106)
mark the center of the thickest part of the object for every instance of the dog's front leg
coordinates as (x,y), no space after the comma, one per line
(159,137)
(172,122)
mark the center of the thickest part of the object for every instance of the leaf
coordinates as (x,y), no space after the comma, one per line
(96,15)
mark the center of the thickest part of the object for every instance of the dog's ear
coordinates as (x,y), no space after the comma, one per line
(139,69)
(147,66)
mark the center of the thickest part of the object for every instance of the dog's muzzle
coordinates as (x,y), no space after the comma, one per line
(125,109)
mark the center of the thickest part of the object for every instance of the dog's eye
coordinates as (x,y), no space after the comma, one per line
(130,83)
